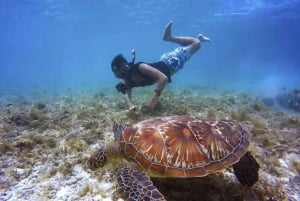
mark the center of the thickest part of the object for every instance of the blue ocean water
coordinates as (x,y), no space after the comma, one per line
(61,44)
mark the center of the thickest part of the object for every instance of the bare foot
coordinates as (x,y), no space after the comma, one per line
(203,38)
(167,33)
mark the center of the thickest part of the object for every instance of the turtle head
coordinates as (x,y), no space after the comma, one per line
(97,159)
(118,129)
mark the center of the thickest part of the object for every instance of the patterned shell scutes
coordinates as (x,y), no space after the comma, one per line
(185,146)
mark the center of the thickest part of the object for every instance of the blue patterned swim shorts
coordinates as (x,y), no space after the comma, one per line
(176,59)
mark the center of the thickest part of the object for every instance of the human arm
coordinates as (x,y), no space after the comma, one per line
(126,91)
(129,102)
(159,77)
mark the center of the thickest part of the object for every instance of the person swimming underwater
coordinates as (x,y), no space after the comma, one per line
(145,74)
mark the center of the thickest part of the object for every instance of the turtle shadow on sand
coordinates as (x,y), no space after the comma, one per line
(211,187)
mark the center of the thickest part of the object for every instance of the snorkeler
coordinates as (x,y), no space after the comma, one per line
(144,74)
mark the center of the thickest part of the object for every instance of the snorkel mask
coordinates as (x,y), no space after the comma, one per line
(121,71)
(120,67)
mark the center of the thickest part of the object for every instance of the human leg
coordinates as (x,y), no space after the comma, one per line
(192,44)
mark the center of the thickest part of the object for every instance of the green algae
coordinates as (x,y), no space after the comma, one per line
(240,115)
(65,168)
(259,127)
(74,145)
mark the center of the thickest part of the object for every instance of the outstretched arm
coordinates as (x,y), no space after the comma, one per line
(125,89)
(127,96)
(161,79)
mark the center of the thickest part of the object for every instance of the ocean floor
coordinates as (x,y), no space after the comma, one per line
(46,139)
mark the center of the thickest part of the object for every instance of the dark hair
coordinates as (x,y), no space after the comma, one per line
(117,66)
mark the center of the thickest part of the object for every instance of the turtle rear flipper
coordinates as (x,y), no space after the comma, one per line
(246,170)
(135,185)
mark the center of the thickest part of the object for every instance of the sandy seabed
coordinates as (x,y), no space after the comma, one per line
(46,139)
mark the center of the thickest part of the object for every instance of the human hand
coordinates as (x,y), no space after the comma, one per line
(121,87)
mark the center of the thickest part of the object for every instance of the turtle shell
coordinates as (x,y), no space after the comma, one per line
(185,146)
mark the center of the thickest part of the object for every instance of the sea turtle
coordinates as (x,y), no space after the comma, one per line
(177,146)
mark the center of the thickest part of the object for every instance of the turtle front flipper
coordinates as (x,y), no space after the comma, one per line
(246,170)
(135,185)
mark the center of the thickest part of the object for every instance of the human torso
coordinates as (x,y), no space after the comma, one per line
(138,79)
